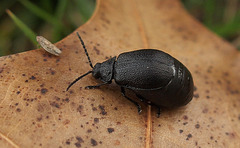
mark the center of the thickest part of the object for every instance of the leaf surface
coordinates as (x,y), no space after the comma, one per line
(36,111)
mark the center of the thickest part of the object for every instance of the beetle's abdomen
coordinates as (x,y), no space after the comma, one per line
(177,93)
(180,91)
(156,76)
(144,69)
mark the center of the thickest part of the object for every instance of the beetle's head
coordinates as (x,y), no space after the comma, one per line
(104,71)
(96,71)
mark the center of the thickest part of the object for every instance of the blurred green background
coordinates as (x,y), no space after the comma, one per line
(22,20)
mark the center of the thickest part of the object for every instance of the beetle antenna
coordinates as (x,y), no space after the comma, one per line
(78,79)
(85,49)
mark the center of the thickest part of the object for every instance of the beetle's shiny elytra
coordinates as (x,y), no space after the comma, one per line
(153,75)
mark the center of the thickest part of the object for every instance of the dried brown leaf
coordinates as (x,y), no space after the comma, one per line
(36,111)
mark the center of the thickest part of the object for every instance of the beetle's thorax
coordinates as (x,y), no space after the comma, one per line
(104,70)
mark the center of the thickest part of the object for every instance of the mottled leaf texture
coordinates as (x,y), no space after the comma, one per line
(36,111)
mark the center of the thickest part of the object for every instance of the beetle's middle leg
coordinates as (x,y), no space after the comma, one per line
(134,102)
(142,99)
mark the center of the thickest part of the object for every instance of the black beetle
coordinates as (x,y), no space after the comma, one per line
(153,75)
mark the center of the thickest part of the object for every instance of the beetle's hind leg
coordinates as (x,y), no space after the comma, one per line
(138,106)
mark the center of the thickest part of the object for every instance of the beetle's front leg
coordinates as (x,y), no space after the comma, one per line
(96,86)
(138,106)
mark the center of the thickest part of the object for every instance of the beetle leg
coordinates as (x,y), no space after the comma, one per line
(138,106)
(149,103)
(95,86)
(142,99)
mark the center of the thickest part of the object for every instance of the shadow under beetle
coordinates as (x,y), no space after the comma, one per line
(153,75)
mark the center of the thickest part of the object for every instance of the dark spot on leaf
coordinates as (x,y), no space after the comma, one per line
(44,91)
(57,98)
(97,50)
(110,130)
(189,136)
(68,142)
(196,143)
(32,78)
(93,142)
(197,126)
(103,112)
(52,72)
(39,118)
(18,110)
(226,74)
(185,117)
(18,92)
(194,88)
(80,108)
(77,144)
(96,120)
(180,131)
(205,110)
(185,123)
(79,139)
(94,108)
(211,137)
(196,96)
(55,104)
(66,100)
(89,131)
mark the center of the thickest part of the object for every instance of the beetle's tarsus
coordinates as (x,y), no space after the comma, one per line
(158,112)
(139,108)
(96,86)
(91,87)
